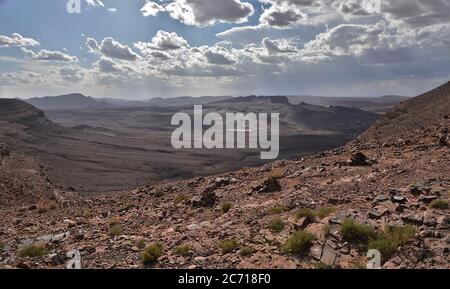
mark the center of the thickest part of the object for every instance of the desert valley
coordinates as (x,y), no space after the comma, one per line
(99,178)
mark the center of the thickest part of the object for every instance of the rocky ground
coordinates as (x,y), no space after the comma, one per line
(323,211)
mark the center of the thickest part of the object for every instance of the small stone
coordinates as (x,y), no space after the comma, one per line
(328,256)
(302,223)
(430,221)
(377,213)
(316,252)
(23,265)
(399,199)
(70,223)
(58,259)
(381,198)
(193,227)
(358,159)
(413,219)
(428,199)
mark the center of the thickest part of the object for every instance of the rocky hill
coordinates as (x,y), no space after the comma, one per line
(388,190)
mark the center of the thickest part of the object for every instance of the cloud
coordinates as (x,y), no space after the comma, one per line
(47,55)
(152,8)
(163,40)
(202,12)
(217,58)
(17,40)
(417,13)
(111,48)
(107,65)
(278,46)
(72,73)
(95,3)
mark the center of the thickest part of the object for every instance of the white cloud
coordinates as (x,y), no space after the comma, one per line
(17,40)
(202,12)
(95,3)
(47,55)
(111,48)
(152,8)
(163,40)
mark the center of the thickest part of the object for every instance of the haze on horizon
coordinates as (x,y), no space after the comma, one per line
(140,49)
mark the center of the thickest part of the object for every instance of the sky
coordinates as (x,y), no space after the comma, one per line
(140,49)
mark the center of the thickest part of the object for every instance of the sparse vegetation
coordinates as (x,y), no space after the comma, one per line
(313,214)
(356,233)
(386,241)
(116,231)
(180,198)
(439,204)
(277,174)
(228,246)
(325,212)
(276,225)
(308,213)
(152,253)
(2,247)
(226,207)
(33,250)
(299,242)
(183,250)
(247,251)
(391,238)
(275,210)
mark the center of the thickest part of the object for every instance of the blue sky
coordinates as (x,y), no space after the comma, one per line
(217,47)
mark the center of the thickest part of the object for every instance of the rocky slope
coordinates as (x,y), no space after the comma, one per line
(387,190)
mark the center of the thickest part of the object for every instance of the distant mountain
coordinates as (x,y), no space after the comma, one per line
(375,104)
(186,100)
(67,101)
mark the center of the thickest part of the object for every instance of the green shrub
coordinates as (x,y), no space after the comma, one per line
(356,233)
(180,198)
(226,207)
(183,250)
(152,253)
(247,251)
(325,211)
(276,225)
(439,204)
(308,213)
(277,174)
(228,246)
(299,242)
(33,250)
(390,239)
(116,231)
(275,210)
(2,246)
